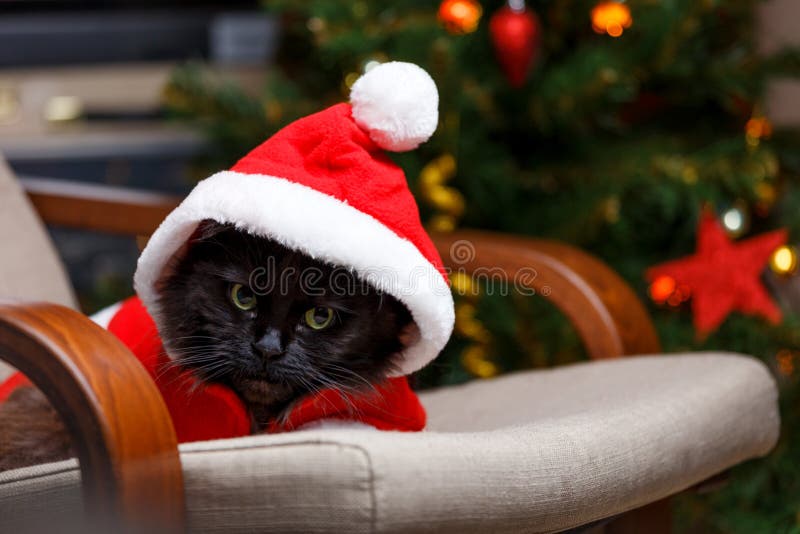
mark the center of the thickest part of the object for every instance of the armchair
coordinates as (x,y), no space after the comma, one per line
(605,442)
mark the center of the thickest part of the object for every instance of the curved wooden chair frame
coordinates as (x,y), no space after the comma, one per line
(120,427)
(607,314)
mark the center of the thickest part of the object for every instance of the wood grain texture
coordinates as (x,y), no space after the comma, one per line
(98,208)
(120,427)
(609,317)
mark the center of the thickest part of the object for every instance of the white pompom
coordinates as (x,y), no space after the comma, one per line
(398,104)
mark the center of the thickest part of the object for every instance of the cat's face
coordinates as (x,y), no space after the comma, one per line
(274,324)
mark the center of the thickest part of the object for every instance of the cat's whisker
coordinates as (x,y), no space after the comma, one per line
(208,376)
(375,394)
(188,360)
(348,372)
(357,389)
(316,389)
(340,389)
(186,338)
(201,372)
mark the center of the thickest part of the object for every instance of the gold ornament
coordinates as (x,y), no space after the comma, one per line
(784,260)
(449,204)
(460,16)
(448,201)
(442,223)
(475,359)
(462,285)
(612,18)
(468,325)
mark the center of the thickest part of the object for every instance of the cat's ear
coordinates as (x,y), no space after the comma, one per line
(409,334)
(208,229)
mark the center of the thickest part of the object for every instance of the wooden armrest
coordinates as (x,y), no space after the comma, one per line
(98,207)
(605,311)
(119,424)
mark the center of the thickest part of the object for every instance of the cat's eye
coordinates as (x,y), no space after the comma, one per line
(319,317)
(242,297)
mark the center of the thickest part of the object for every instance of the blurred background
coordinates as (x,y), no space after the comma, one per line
(615,126)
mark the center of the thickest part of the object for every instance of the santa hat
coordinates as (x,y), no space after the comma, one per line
(323,186)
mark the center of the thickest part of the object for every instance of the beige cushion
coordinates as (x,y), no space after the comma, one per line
(529,452)
(30,268)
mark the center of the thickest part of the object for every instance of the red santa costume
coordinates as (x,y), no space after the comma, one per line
(322,186)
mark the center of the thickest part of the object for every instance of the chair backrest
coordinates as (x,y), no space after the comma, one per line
(30,268)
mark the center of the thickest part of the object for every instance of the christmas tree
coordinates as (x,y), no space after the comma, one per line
(633,130)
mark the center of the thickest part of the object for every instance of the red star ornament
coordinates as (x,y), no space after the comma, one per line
(724,276)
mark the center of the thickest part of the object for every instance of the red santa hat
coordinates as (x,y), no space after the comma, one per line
(324,186)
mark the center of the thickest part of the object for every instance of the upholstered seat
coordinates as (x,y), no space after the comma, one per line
(536,451)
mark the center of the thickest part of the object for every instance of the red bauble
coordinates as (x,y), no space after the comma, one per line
(722,276)
(515,35)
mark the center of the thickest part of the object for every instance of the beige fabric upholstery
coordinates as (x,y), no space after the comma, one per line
(29,266)
(530,452)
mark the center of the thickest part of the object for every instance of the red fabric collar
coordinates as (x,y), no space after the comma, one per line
(215,412)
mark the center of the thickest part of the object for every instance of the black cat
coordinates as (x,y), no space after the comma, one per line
(268,322)
(274,324)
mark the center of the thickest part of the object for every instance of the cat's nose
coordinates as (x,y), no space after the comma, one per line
(270,345)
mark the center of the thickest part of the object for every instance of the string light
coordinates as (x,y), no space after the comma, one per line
(661,288)
(373,61)
(460,16)
(756,129)
(784,260)
(371,64)
(786,360)
(665,290)
(315,24)
(612,18)
(736,220)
